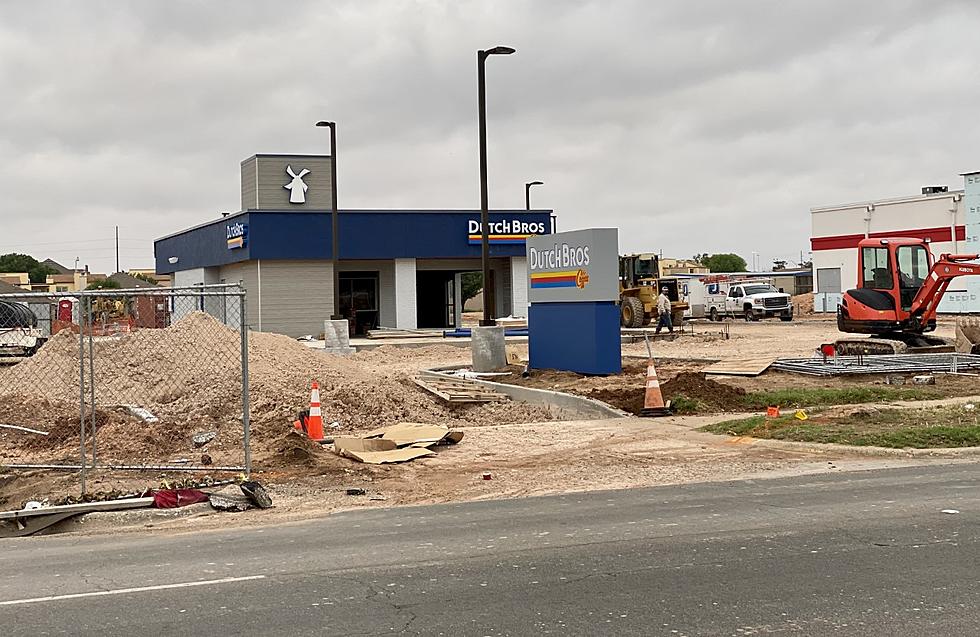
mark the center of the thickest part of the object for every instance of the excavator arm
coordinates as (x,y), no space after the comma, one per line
(947,268)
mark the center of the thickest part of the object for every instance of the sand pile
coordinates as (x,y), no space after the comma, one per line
(188,375)
(803,303)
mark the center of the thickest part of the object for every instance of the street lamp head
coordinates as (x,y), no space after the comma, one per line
(535,183)
(324,123)
(500,50)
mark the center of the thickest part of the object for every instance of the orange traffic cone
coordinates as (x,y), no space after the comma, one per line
(314,424)
(653,399)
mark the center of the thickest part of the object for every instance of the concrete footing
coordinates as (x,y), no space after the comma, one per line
(336,336)
(489,348)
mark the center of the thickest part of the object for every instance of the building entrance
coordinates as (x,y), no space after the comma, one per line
(435,292)
(359,300)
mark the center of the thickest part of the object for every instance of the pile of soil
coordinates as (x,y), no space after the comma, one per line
(710,395)
(188,376)
(803,303)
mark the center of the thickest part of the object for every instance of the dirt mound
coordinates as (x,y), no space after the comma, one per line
(710,393)
(803,303)
(188,376)
(629,399)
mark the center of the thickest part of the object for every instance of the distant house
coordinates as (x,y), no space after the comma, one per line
(20,279)
(57,267)
(670,267)
(163,280)
(7,288)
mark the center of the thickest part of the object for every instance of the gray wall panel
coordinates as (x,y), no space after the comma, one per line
(296,296)
(272,177)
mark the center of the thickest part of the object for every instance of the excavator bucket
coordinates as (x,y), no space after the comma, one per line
(968,334)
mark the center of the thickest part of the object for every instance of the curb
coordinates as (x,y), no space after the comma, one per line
(580,407)
(879,452)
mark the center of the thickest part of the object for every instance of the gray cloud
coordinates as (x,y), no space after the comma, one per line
(694,126)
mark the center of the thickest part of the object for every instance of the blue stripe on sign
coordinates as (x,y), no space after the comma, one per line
(552,284)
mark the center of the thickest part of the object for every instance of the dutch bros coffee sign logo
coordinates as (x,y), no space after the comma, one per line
(565,263)
(577,266)
(506,232)
(237,235)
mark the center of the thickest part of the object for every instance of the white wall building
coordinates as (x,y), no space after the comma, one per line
(940,215)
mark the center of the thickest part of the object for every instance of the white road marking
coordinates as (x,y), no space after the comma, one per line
(126,591)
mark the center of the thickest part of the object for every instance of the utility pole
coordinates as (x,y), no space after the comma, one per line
(117,248)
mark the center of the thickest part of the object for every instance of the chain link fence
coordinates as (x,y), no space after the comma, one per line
(147,379)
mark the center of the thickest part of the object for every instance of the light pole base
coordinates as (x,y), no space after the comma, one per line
(489,348)
(488,323)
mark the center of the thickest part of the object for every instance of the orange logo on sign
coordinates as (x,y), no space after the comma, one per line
(581,279)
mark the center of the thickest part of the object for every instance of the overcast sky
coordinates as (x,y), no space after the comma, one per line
(693,126)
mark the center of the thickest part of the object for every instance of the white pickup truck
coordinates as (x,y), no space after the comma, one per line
(19,334)
(750,300)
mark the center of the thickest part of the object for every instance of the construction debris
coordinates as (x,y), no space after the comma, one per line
(740,367)
(256,493)
(202,438)
(25,429)
(231,499)
(143,414)
(387,457)
(454,390)
(400,443)
(173,498)
(29,521)
(880,364)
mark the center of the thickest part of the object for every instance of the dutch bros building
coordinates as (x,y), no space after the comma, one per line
(397,268)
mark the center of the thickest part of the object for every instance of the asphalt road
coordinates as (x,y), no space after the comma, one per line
(866,553)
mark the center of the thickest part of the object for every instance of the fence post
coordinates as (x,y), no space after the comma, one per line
(81,388)
(245,410)
(91,381)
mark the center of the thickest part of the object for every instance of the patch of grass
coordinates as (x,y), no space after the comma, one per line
(894,428)
(685,405)
(812,396)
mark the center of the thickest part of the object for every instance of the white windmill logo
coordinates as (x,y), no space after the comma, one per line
(297,189)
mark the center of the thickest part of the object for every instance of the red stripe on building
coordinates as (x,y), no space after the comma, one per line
(846,241)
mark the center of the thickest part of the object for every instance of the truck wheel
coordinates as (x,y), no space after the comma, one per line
(631,312)
(749,314)
(713,314)
(786,319)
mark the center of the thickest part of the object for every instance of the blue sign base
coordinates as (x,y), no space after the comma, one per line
(576,337)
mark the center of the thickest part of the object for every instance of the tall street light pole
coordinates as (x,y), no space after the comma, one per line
(334,227)
(488,295)
(527,192)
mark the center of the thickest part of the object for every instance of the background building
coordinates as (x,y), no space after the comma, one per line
(397,268)
(938,214)
(671,267)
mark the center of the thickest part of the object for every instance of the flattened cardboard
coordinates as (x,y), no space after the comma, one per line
(386,457)
(363,444)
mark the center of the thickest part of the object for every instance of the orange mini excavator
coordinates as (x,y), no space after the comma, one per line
(899,289)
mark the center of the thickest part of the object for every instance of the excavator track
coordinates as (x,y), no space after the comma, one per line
(878,345)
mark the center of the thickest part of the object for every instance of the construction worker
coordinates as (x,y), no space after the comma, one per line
(663,310)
